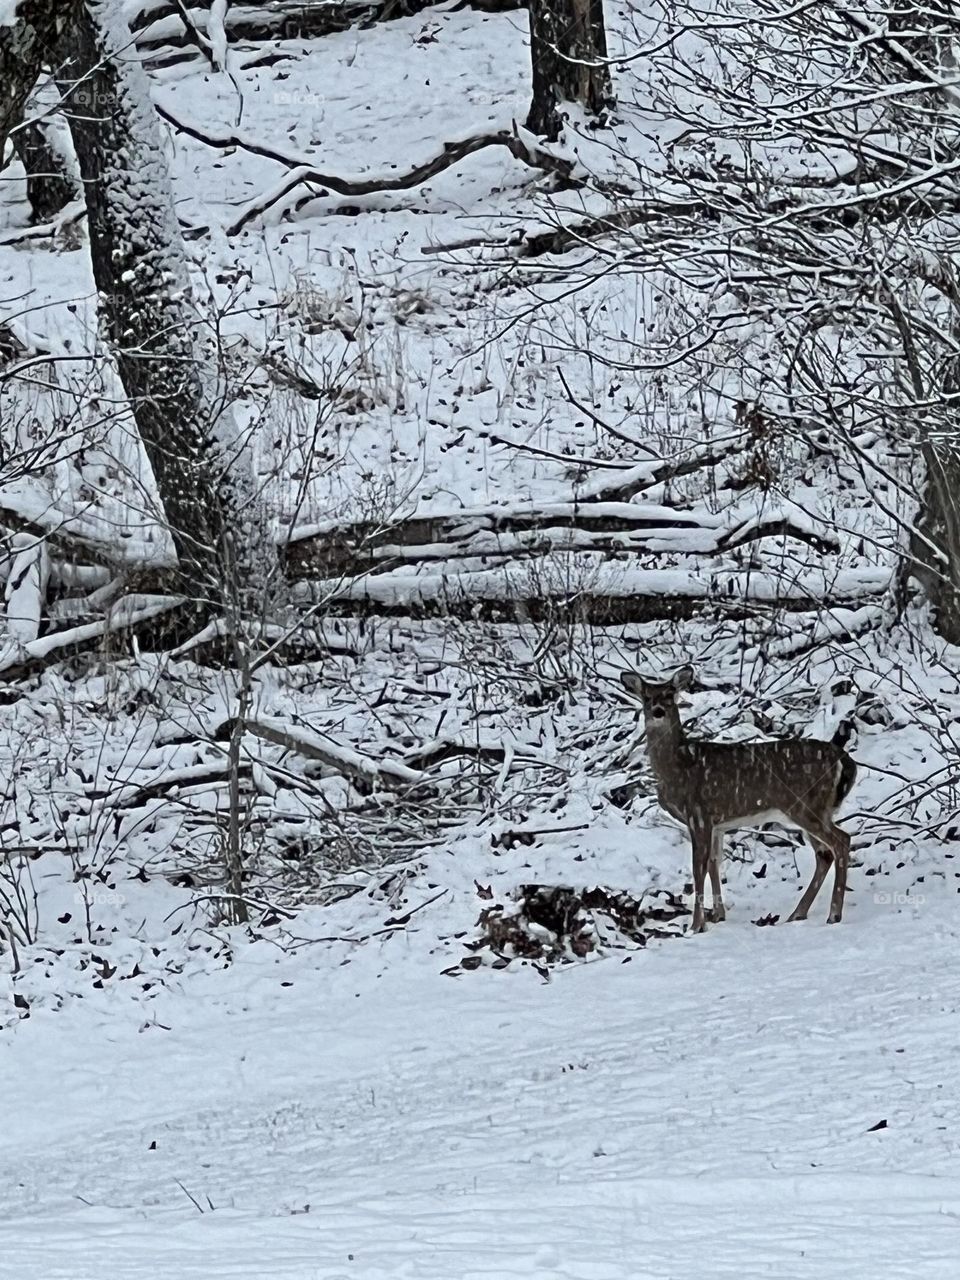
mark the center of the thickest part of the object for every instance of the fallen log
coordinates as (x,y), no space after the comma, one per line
(357,547)
(130,618)
(612,594)
(526,530)
(159,27)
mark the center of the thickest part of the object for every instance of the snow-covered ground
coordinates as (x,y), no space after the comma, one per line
(318,1099)
(747,1103)
(324,1101)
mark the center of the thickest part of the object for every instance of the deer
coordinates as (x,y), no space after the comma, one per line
(712,787)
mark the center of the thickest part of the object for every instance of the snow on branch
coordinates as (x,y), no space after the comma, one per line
(303,172)
(526,529)
(19,660)
(346,760)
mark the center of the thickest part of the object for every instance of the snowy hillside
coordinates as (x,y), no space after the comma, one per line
(500,463)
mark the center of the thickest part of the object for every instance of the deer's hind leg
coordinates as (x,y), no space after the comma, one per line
(718,911)
(841,850)
(824,858)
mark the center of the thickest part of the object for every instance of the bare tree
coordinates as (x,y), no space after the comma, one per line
(50,184)
(150,321)
(24,47)
(802,210)
(568,54)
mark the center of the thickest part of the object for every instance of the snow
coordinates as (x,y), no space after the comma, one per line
(315,1096)
(712,1104)
(324,1101)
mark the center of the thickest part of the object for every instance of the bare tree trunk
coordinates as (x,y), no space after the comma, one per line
(236,906)
(24,46)
(149,319)
(568,49)
(936,552)
(50,186)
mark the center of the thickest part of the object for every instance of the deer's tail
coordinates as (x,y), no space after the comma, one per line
(846,777)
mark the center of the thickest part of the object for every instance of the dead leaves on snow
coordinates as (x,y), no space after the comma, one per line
(550,925)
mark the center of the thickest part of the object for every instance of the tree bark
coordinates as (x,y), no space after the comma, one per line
(149,319)
(24,46)
(568,51)
(50,186)
(935,549)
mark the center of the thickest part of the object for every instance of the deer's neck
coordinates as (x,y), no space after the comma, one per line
(664,739)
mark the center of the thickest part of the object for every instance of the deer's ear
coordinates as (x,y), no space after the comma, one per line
(683,678)
(631,682)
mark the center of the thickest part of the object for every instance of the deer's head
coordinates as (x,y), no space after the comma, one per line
(658,697)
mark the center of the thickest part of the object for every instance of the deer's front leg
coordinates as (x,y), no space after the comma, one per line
(701,841)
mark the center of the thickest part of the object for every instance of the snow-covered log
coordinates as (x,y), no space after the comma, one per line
(524,529)
(161,31)
(125,618)
(609,593)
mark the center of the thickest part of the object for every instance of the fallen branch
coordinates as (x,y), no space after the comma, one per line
(835,627)
(570,460)
(132,796)
(432,754)
(319,746)
(599,422)
(302,170)
(563,239)
(754,530)
(646,475)
(452,154)
(213,644)
(125,620)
